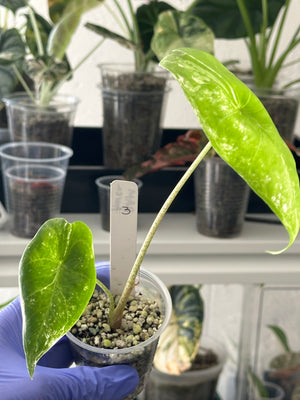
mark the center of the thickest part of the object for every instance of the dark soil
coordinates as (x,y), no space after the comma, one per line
(283,111)
(41,127)
(135,82)
(206,358)
(31,205)
(221,199)
(158,389)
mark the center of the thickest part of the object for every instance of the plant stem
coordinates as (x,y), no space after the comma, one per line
(117,314)
(36,31)
(108,294)
(70,73)
(138,54)
(252,41)
(126,22)
(24,84)
(271,76)
(116,17)
(263,40)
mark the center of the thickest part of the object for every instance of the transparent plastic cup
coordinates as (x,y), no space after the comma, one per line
(29,122)
(34,176)
(133,107)
(103,185)
(139,356)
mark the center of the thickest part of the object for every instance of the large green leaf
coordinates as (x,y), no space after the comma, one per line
(66,26)
(179,343)
(240,130)
(224,17)
(57,279)
(176,29)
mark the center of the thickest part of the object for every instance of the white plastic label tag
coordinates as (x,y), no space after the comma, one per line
(123,232)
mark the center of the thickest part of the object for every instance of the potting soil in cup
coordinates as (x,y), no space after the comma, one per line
(35,198)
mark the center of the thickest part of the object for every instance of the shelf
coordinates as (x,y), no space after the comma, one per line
(179,254)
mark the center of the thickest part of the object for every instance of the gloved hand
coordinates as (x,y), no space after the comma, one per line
(52,379)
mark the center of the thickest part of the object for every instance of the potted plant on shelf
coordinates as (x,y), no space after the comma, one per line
(221,195)
(185,363)
(284,368)
(133,95)
(65,251)
(33,53)
(262,25)
(263,390)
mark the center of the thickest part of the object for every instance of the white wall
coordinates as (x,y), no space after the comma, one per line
(85,83)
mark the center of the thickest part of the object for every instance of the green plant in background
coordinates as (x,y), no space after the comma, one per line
(34,50)
(285,367)
(288,358)
(153,29)
(261,23)
(241,132)
(179,342)
(257,385)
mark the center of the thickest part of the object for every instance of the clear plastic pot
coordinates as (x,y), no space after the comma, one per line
(190,385)
(139,356)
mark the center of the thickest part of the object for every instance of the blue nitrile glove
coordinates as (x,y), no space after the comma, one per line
(52,379)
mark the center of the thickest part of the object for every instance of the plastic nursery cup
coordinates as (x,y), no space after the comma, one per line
(221,199)
(132,111)
(29,122)
(190,385)
(139,356)
(275,392)
(103,184)
(33,175)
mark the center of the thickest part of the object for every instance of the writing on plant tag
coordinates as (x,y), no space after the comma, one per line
(123,232)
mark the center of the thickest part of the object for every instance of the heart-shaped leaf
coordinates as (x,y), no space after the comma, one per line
(147,16)
(176,29)
(57,278)
(240,130)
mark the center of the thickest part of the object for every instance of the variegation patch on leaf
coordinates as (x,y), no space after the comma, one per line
(57,279)
(179,342)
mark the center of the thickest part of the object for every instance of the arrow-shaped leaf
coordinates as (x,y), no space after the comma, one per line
(240,130)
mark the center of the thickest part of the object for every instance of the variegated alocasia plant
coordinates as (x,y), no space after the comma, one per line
(241,132)
(39,50)
(179,342)
(153,29)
